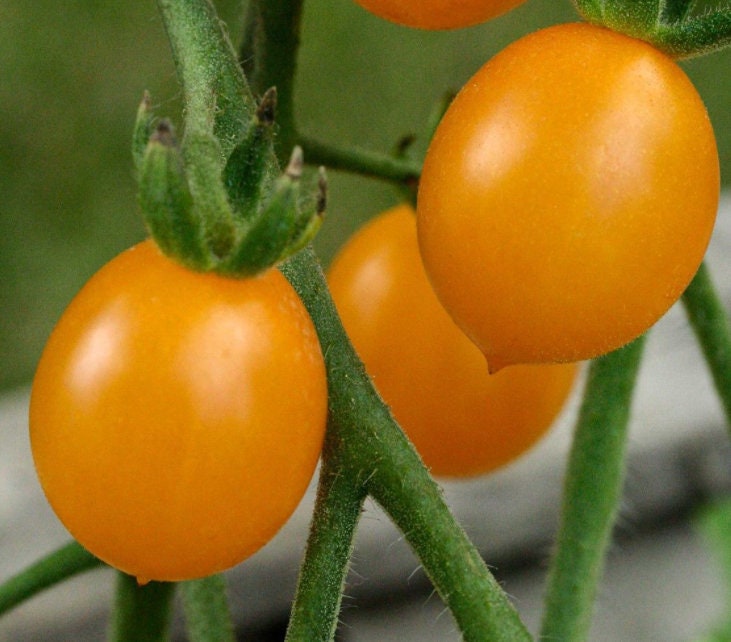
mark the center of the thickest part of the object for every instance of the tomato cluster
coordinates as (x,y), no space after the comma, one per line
(177,417)
(462,420)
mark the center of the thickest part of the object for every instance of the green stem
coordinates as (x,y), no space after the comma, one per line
(141,613)
(363,162)
(63,563)
(373,449)
(206,610)
(710,323)
(276,43)
(217,97)
(592,492)
(324,568)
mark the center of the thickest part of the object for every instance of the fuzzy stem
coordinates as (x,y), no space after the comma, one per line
(206,610)
(360,161)
(375,450)
(710,323)
(324,568)
(275,45)
(63,563)
(141,613)
(592,492)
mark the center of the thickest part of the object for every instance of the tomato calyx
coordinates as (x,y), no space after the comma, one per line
(669,25)
(233,214)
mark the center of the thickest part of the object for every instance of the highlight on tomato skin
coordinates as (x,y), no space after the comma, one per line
(176,417)
(463,421)
(438,14)
(568,196)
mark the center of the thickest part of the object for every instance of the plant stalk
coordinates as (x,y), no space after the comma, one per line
(592,491)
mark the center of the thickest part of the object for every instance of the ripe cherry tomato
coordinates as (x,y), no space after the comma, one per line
(176,418)
(568,195)
(462,420)
(438,14)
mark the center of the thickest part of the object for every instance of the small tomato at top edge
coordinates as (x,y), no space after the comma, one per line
(568,195)
(176,418)
(438,14)
(462,420)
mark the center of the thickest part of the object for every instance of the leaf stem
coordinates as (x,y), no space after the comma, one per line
(141,613)
(206,610)
(63,563)
(710,323)
(592,491)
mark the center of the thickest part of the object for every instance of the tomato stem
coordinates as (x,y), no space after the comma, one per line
(373,449)
(710,323)
(67,561)
(592,492)
(206,610)
(338,508)
(360,161)
(141,613)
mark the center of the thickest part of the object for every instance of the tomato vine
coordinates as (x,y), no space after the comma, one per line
(199,185)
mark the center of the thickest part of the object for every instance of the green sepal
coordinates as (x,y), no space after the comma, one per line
(166,202)
(675,10)
(590,10)
(668,25)
(637,18)
(696,35)
(247,168)
(264,240)
(204,161)
(142,130)
(308,221)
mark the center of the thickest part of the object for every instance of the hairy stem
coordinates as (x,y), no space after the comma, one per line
(338,507)
(141,613)
(709,320)
(592,492)
(63,563)
(206,610)
(360,161)
(373,449)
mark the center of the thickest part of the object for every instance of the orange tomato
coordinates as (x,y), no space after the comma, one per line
(568,195)
(438,14)
(176,417)
(462,420)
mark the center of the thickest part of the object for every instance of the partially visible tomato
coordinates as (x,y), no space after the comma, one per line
(438,14)
(462,420)
(568,195)
(176,418)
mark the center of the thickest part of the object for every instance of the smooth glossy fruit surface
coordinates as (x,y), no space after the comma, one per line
(176,417)
(568,195)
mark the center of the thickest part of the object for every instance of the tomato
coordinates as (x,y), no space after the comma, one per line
(462,420)
(177,417)
(568,195)
(438,14)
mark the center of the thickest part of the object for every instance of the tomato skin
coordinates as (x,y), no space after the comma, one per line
(568,195)
(176,417)
(462,420)
(438,14)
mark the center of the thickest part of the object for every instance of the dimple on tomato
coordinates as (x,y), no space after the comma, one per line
(568,195)
(462,420)
(438,14)
(176,417)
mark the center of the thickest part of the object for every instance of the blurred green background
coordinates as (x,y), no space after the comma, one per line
(71,77)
